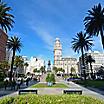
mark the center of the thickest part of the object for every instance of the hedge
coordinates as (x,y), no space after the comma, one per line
(50,99)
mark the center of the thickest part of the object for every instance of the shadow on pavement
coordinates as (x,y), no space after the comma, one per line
(100,91)
(8,91)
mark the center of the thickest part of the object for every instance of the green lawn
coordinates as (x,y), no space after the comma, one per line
(92,83)
(50,99)
(44,85)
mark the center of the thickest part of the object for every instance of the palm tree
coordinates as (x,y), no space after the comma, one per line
(19,63)
(13,44)
(6,19)
(80,43)
(90,60)
(94,22)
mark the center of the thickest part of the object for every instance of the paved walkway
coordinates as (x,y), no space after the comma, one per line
(9,92)
(59,91)
(86,91)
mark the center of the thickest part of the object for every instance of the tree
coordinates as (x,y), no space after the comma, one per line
(82,43)
(90,60)
(50,78)
(101,72)
(6,19)
(60,70)
(94,22)
(73,70)
(42,69)
(4,67)
(35,70)
(19,63)
(55,69)
(14,44)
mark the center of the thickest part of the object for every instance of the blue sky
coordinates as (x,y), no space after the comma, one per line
(39,22)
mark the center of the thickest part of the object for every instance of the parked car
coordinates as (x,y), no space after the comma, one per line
(73,79)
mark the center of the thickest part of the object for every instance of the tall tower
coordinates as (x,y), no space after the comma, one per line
(57,53)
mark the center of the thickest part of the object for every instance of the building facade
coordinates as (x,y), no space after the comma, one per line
(35,63)
(66,63)
(3,41)
(9,55)
(99,61)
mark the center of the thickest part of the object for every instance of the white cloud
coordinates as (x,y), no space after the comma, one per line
(44,35)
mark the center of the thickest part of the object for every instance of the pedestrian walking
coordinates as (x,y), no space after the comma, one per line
(27,80)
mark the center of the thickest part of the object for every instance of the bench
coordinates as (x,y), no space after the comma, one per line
(72,91)
(28,91)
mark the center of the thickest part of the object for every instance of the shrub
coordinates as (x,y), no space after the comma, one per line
(50,78)
(2,76)
(53,78)
(50,99)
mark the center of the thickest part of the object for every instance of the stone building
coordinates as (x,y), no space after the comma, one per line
(66,63)
(3,41)
(99,61)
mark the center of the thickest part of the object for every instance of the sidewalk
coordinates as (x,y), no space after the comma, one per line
(9,92)
(86,91)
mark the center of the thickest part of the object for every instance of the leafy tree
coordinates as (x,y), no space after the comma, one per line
(4,67)
(73,70)
(42,69)
(55,69)
(80,43)
(35,70)
(101,71)
(6,19)
(19,63)
(14,44)
(94,22)
(50,78)
(61,70)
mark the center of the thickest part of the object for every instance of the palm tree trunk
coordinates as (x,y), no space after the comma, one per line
(12,63)
(82,57)
(83,63)
(102,37)
(91,70)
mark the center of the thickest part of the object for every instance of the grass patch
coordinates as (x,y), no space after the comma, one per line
(44,85)
(92,83)
(50,99)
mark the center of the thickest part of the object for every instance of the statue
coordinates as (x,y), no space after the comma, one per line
(49,66)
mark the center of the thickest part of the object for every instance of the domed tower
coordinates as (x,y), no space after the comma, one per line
(57,52)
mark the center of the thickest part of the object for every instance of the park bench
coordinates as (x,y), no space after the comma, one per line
(72,91)
(22,91)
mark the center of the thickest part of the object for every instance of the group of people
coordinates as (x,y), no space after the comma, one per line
(15,83)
